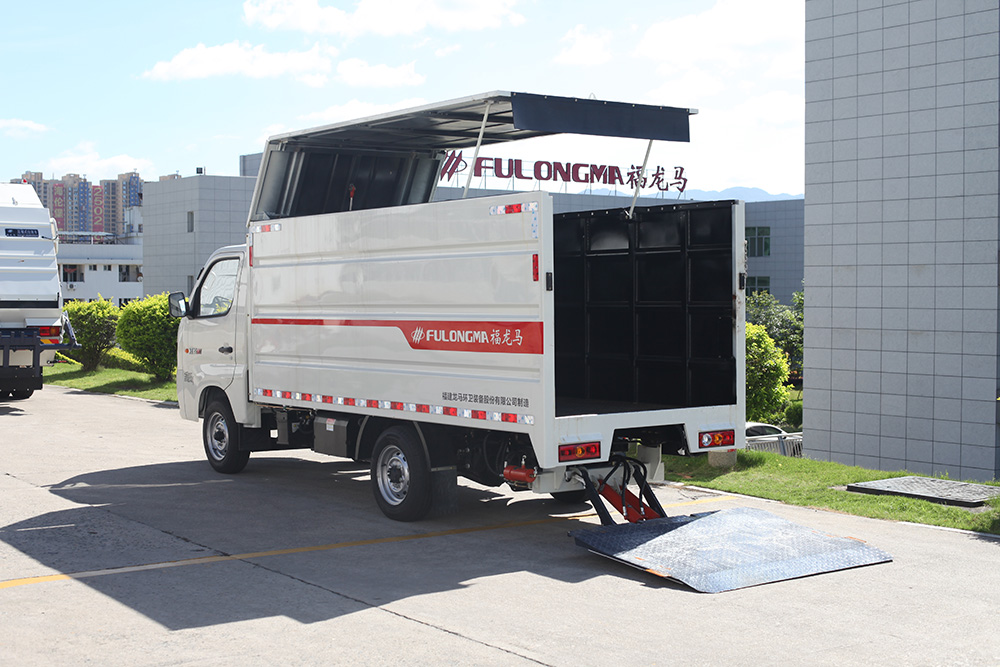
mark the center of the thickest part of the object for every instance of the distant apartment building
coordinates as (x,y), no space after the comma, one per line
(79,206)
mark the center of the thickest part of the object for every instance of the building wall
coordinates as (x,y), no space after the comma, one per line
(901,235)
(173,255)
(784,266)
(100,271)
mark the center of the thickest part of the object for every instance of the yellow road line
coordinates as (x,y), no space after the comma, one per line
(11,583)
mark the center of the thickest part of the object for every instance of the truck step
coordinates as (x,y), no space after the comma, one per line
(726,550)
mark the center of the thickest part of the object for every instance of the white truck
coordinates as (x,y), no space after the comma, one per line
(487,338)
(32,322)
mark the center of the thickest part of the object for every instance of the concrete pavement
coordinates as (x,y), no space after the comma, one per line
(119,544)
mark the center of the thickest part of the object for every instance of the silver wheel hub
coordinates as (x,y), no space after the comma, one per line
(393,475)
(218,437)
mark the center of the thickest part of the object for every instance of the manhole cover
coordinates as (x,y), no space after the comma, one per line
(943,491)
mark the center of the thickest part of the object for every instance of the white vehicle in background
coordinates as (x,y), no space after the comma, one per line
(769,438)
(32,322)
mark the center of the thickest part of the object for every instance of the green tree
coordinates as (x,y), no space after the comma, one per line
(767,372)
(783,324)
(146,330)
(94,324)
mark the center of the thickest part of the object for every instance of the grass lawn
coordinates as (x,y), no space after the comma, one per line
(111,381)
(812,484)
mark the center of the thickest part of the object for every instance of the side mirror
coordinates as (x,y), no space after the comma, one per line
(177,304)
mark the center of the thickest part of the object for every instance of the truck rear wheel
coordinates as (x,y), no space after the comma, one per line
(21,394)
(401,475)
(221,435)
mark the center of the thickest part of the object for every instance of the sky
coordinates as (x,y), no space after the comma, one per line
(104,88)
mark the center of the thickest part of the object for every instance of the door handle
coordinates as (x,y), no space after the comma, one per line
(226,349)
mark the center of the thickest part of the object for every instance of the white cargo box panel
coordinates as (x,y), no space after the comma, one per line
(29,277)
(431,312)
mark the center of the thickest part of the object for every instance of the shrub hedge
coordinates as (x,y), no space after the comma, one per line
(146,330)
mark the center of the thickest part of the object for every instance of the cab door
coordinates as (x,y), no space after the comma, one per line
(210,347)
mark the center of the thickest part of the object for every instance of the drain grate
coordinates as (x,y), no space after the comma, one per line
(944,491)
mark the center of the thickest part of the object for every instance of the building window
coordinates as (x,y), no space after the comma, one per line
(758,241)
(758,284)
(107,267)
(190,221)
(129,273)
(71,273)
(92,267)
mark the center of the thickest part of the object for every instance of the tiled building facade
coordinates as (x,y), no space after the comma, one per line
(901,234)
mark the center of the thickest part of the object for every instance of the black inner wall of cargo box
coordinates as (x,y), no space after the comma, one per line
(644,309)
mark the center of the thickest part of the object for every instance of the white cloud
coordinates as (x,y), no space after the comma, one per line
(201,62)
(447,50)
(381,17)
(85,159)
(743,68)
(358,109)
(357,72)
(584,48)
(17,128)
(733,37)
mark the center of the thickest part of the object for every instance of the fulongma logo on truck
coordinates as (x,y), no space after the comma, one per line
(449,336)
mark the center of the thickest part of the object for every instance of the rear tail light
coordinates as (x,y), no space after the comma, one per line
(50,335)
(579,451)
(717,438)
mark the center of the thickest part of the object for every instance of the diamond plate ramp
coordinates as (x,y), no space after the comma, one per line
(728,549)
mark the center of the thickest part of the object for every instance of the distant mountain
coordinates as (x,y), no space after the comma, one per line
(746,194)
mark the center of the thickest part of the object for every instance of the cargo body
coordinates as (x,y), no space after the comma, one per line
(31,318)
(486,337)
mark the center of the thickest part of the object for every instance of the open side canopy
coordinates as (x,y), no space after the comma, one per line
(393,158)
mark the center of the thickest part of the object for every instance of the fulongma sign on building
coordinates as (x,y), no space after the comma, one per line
(566,172)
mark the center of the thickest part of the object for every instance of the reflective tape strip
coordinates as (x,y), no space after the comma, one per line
(399,406)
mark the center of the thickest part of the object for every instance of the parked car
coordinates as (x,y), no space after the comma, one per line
(756,428)
(770,438)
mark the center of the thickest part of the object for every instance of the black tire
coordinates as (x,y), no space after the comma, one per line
(21,394)
(401,475)
(574,497)
(221,435)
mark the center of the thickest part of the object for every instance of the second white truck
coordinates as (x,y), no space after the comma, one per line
(488,338)
(32,323)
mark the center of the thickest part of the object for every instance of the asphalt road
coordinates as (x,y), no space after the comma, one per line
(120,545)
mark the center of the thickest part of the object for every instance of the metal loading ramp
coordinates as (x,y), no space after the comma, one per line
(728,549)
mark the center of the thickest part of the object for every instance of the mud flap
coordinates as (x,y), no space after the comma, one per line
(444,491)
(726,550)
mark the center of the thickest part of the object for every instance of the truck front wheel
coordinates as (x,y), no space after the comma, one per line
(221,434)
(401,475)
(21,394)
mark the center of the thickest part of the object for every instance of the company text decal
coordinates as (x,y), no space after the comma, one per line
(566,172)
(496,337)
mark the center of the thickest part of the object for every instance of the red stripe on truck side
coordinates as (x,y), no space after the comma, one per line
(495,337)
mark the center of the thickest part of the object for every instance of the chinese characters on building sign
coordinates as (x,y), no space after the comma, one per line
(566,172)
